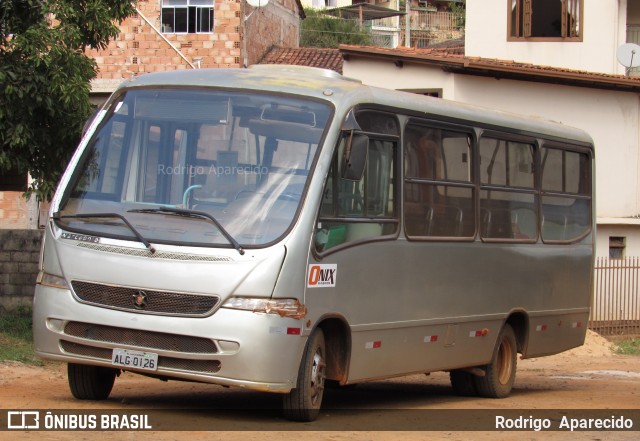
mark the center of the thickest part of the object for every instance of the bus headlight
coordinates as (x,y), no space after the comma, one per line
(291,308)
(51,280)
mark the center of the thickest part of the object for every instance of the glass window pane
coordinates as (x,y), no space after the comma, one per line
(204,20)
(565,171)
(168,20)
(506,163)
(373,195)
(457,158)
(153,166)
(565,218)
(508,215)
(437,154)
(378,122)
(430,212)
(181,20)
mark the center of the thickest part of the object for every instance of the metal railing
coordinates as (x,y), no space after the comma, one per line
(616,301)
(426,28)
(440,21)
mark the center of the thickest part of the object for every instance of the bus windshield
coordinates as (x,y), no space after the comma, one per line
(195,167)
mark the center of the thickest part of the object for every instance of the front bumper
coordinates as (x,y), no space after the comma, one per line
(231,347)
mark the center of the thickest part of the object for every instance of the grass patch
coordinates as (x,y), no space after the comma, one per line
(16,337)
(628,346)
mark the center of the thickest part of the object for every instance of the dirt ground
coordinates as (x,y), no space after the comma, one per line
(589,377)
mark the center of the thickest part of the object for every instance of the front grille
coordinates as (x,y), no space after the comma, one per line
(143,339)
(206,366)
(143,252)
(155,302)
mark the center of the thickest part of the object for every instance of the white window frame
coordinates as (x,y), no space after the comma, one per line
(201,8)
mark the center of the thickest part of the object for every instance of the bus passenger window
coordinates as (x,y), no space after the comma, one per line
(508,207)
(566,195)
(361,210)
(438,192)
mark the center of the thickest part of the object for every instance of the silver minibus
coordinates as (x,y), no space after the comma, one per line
(278,227)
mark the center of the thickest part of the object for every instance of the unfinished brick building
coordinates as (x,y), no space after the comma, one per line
(187,34)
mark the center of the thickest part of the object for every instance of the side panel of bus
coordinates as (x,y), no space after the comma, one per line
(477,234)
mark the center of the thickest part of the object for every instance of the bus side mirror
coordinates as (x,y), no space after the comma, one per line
(355,157)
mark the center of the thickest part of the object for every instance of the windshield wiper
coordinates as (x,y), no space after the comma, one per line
(136,233)
(194,214)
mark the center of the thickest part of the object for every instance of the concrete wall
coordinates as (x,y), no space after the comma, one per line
(630,231)
(19,254)
(604,30)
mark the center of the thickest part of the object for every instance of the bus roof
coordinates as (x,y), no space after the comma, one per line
(346,92)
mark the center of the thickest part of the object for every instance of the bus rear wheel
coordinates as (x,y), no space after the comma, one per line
(90,382)
(303,403)
(501,372)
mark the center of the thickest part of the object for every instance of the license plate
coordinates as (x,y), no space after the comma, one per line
(135,359)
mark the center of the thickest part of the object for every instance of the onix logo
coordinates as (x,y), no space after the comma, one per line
(322,275)
(139,299)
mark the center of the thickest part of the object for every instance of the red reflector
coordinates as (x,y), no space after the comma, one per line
(377,344)
(293,331)
(434,338)
(479,333)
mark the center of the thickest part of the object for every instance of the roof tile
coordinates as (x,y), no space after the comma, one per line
(305,56)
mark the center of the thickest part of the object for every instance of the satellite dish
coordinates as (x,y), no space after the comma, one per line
(262,3)
(629,55)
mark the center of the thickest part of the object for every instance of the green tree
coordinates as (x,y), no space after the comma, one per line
(45,80)
(320,30)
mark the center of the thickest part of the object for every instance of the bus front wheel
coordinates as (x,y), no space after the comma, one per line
(90,382)
(303,403)
(501,371)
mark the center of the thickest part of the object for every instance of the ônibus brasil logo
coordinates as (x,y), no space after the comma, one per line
(322,275)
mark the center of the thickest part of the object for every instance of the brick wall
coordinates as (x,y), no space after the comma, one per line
(19,254)
(277,24)
(17,212)
(139,49)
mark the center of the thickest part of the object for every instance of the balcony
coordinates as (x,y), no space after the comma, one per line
(425,28)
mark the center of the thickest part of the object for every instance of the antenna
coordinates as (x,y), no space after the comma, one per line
(629,56)
(257,3)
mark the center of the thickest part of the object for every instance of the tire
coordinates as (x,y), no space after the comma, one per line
(90,382)
(501,372)
(463,383)
(303,403)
